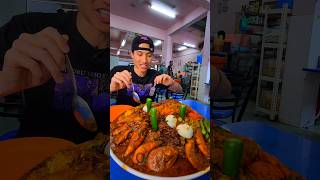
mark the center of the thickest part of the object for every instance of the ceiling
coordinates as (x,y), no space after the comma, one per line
(200,25)
(136,9)
(116,37)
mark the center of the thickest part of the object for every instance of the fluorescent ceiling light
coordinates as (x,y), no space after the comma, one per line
(181,48)
(189,45)
(163,8)
(157,43)
(118,52)
(123,42)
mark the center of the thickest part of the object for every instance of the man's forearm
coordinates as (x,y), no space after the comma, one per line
(176,87)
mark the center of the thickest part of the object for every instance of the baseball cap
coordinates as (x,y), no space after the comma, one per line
(140,40)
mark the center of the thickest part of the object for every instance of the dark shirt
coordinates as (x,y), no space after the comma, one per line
(48,110)
(142,86)
(170,72)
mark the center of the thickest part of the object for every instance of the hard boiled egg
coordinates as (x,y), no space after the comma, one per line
(185,130)
(171,121)
(145,109)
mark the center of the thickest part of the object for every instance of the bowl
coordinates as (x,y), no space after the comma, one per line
(147,176)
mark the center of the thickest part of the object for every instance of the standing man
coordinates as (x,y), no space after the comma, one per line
(139,76)
(170,71)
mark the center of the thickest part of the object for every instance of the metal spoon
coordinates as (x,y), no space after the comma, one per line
(80,107)
(107,149)
(152,90)
(135,95)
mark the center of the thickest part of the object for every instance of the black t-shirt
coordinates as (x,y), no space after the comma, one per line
(48,110)
(142,86)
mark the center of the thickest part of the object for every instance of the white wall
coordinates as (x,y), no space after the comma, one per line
(315,40)
(226,20)
(204,89)
(181,58)
(293,78)
(299,89)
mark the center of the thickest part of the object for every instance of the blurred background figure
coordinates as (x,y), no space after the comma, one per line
(170,72)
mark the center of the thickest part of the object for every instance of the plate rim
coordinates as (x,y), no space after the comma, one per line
(147,176)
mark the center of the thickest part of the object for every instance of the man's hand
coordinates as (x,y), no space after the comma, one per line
(120,80)
(34,58)
(164,79)
(167,80)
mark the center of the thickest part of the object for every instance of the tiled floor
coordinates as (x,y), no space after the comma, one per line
(250,114)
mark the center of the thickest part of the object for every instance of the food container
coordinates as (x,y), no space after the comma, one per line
(147,176)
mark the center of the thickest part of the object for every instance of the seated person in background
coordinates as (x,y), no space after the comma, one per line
(221,85)
(139,75)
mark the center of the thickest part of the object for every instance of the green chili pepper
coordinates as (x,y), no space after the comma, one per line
(206,124)
(153,117)
(207,136)
(183,110)
(203,130)
(232,155)
(149,103)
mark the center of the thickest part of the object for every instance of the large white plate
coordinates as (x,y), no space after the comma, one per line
(147,176)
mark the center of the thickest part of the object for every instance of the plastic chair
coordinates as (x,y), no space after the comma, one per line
(9,135)
(176,96)
(160,95)
(13,106)
(224,108)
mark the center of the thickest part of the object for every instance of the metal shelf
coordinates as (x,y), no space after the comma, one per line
(270,79)
(280,46)
(277,11)
(264,110)
(252,24)
(271,45)
(195,74)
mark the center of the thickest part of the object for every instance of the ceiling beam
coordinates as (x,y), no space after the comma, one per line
(203,3)
(136,27)
(194,16)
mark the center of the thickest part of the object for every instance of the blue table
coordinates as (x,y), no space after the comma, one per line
(300,154)
(116,172)
(202,109)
